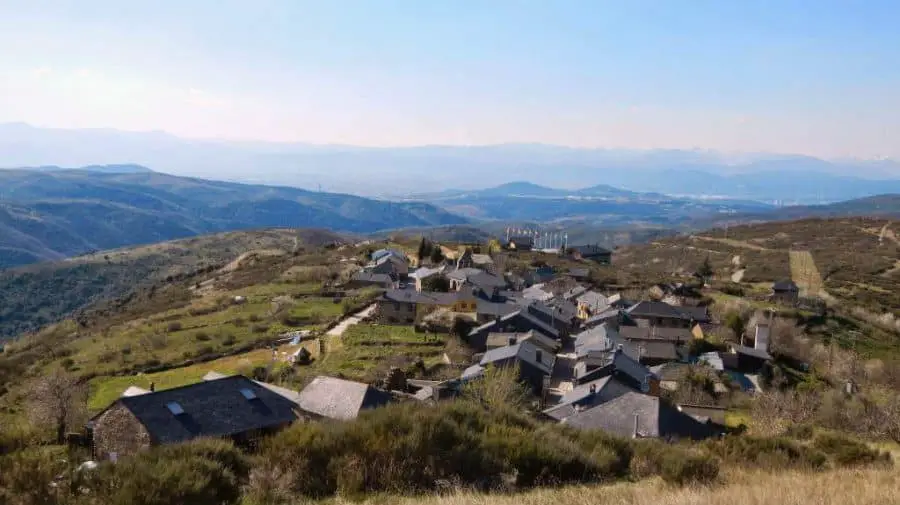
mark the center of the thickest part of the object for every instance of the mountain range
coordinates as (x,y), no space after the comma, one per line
(51,214)
(402,171)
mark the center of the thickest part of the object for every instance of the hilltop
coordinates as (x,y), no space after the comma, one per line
(53,214)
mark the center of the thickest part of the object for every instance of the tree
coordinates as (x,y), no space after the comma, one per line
(436,255)
(735,322)
(60,398)
(436,283)
(499,387)
(705,271)
(425,250)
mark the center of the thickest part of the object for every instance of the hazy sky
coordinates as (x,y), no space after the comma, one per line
(818,77)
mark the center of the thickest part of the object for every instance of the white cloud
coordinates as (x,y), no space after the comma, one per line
(42,71)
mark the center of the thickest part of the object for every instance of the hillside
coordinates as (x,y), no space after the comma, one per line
(30,296)
(851,263)
(52,214)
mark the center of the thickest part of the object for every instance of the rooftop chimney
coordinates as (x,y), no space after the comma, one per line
(512,340)
(634,432)
(593,389)
(539,356)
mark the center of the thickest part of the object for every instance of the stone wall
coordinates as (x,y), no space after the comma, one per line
(118,431)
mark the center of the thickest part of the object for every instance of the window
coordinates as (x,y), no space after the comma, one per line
(248,394)
(175,408)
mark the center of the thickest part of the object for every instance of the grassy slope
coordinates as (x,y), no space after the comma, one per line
(851,258)
(839,487)
(29,296)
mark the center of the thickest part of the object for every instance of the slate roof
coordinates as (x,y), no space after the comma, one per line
(340,399)
(425,272)
(657,309)
(486,281)
(751,351)
(698,314)
(363,276)
(422,297)
(526,352)
(602,317)
(581,397)
(214,408)
(785,285)
(495,308)
(658,333)
(462,274)
(565,309)
(590,250)
(656,418)
(382,253)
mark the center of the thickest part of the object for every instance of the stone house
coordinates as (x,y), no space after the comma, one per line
(232,407)
(786,292)
(407,306)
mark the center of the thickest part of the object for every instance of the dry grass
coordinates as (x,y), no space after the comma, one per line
(844,487)
(805,273)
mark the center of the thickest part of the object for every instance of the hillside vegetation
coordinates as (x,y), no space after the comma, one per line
(853,264)
(49,215)
(30,297)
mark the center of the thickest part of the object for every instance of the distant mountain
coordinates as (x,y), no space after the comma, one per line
(601,205)
(52,214)
(103,169)
(427,169)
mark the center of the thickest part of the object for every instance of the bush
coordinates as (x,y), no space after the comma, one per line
(254,318)
(25,477)
(201,336)
(229,340)
(845,451)
(767,453)
(259,328)
(174,326)
(291,320)
(203,472)
(676,465)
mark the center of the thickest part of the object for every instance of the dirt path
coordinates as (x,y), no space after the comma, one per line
(341,327)
(734,243)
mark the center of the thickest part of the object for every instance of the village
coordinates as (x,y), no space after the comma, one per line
(589,358)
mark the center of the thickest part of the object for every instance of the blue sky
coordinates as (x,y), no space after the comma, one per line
(814,77)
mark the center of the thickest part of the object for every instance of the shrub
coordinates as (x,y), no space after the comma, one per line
(201,336)
(25,477)
(291,320)
(259,328)
(202,473)
(174,326)
(771,453)
(845,451)
(229,340)
(239,321)
(676,465)
(254,318)
(800,431)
